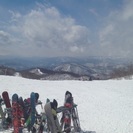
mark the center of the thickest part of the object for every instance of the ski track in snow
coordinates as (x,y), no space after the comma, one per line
(103,106)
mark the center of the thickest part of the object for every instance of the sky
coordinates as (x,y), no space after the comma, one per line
(104,106)
(74,28)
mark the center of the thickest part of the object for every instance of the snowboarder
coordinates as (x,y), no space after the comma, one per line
(53,123)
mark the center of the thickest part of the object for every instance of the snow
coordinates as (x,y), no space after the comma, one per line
(36,71)
(103,106)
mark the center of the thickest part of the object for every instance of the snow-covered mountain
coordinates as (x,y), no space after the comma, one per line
(27,63)
(75,68)
(45,74)
(61,68)
(103,106)
(36,71)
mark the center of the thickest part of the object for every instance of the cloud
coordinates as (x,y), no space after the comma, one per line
(45,32)
(14,15)
(93,11)
(116,35)
(4,37)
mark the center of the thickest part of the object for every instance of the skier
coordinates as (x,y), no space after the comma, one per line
(53,123)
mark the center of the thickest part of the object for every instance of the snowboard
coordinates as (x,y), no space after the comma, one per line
(22,110)
(70,119)
(17,114)
(26,106)
(6,99)
(33,110)
(2,115)
(8,120)
(75,119)
(66,120)
(36,97)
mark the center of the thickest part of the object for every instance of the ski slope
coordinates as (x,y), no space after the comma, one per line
(103,106)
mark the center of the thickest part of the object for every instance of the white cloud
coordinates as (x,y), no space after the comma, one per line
(4,38)
(116,36)
(45,29)
(128,10)
(93,11)
(14,15)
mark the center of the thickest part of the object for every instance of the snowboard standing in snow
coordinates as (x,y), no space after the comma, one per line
(38,121)
(41,119)
(30,113)
(6,99)
(70,119)
(8,120)
(66,114)
(52,120)
(69,115)
(2,114)
(75,118)
(17,114)
(33,111)
(22,110)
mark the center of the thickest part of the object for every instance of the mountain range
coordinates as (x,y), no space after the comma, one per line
(61,68)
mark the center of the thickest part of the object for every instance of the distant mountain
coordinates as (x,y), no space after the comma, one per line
(7,71)
(45,74)
(61,68)
(50,63)
(75,68)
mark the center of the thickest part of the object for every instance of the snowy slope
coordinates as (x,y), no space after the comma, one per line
(104,106)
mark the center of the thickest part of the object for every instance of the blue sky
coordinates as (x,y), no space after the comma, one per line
(45,28)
